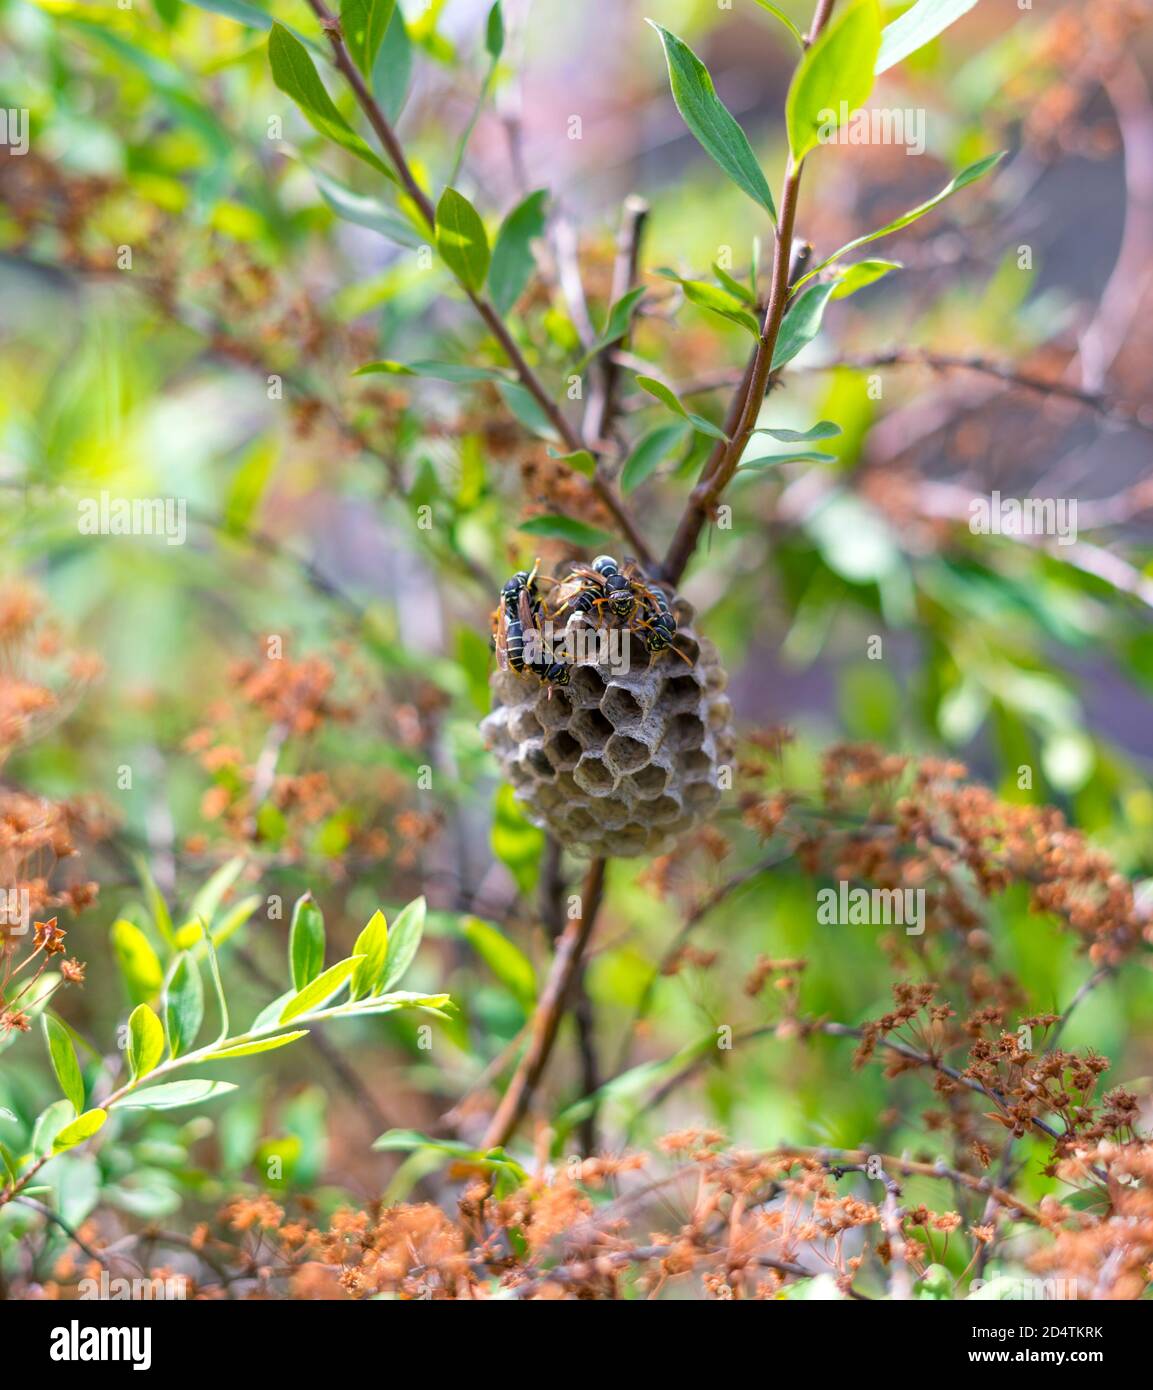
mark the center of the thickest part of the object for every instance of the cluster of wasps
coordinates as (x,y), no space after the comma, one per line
(618,594)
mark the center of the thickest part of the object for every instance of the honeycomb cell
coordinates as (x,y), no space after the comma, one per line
(523,724)
(625,753)
(587,686)
(553,707)
(686,731)
(562,750)
(621,706)
(593,775)
(650,781)
(591,727)
(682,693)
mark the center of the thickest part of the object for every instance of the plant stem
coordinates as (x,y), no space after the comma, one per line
(567,432)
(724,460)
(549,1011)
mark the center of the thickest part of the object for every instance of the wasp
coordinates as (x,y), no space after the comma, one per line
(622,590)
(516,604)
(659,627)
(518,614)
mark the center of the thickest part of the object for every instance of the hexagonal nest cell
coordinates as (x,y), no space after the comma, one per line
(624,758)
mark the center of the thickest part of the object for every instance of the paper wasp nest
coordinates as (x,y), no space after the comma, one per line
(617,763)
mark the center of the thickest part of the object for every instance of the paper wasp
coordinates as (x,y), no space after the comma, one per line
(518,615)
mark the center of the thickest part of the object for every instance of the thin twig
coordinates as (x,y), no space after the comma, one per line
(549,1011)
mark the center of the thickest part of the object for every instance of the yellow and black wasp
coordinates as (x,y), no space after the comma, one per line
(516,621)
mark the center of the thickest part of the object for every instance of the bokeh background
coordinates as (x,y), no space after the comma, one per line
(150,130)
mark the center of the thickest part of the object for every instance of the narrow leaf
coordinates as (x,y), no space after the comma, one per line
(961,180)
(785,20)
(564,528)
(183,1005)
(917,27)
(835,74)
(527,409)
(647,455)
(323,989)
(710,121)
(363,23)
(461,239)
(306,942)
(64,1061)
(440,371)
(668,397)
(250,1049)
(145,1042)
(139,964)
(294,73)
(403,941)
(372,944)
(172,1094)
(513,263)
(82,1128)
(861,274)
(824,429)
(494,32)
(802,322)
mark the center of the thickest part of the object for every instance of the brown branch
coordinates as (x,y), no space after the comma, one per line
(1099,402)
(549,1011)
(601,412)
(528,378)
(724,461)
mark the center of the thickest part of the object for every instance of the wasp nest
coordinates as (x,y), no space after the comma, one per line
(625,756)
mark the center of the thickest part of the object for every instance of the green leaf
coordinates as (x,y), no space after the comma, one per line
(139,964)
(668,397)
(366,212)
(721,302)
(48,1125)
(172,1094)
(513,263)
(734,287)
(494,32)
(580,461)
(392,71)
(515,841)
(183,1005)
(207,901)
(565,528)
(439,371)
(855,277)
(795,456)
(527,409)
(323,989)
(372,944)
(294,73)
(786,21)
(837,68)
(706,116)
(145,1042)
(650,450)
(363,23)
(306,942)
(619,317)
(507,961)
(161,917)
(802,322)
(248,15)
(461,239)
(403,940)
(82,1128)
(824,429)
(917,27)
(64,1061)
(962,180)
(250,1049)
